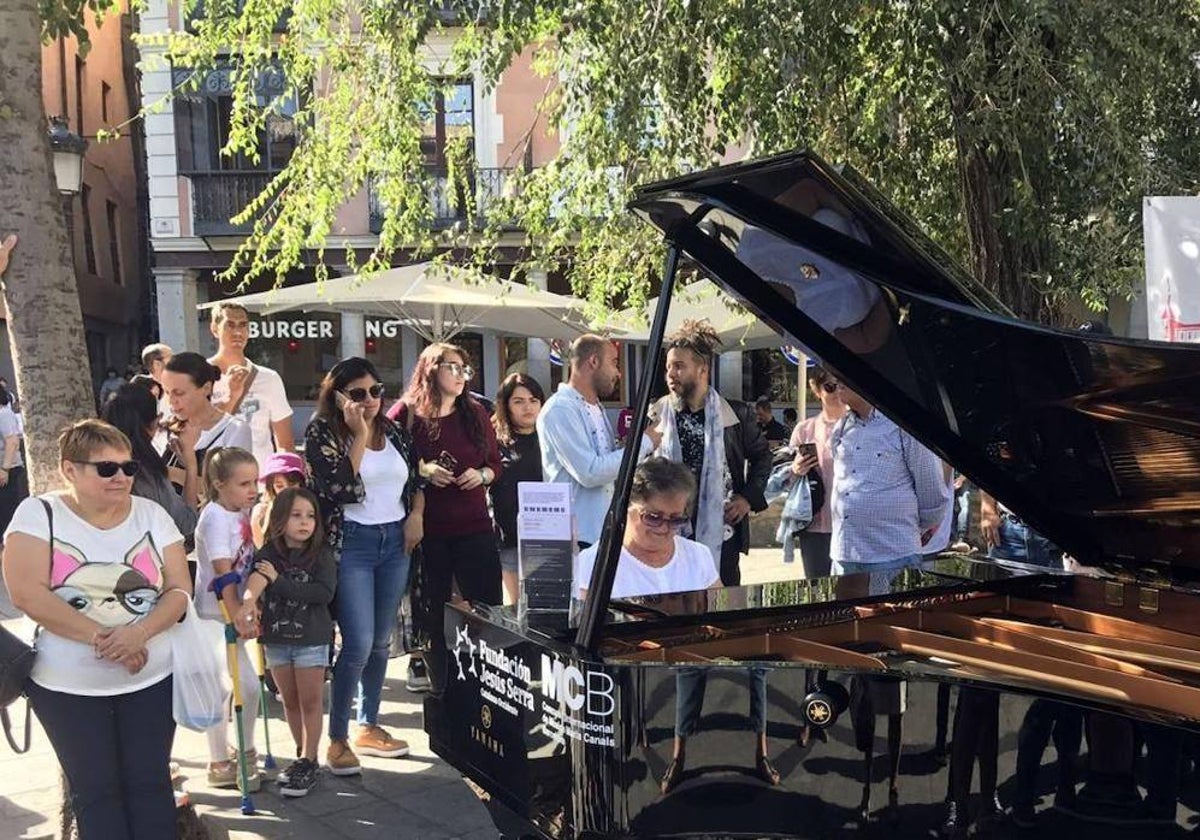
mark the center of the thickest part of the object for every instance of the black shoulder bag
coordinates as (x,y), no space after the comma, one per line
(16,664)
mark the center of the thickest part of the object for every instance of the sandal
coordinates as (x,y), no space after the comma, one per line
(671,775)
(766,771)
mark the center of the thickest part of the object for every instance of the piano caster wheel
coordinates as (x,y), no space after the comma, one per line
(823,704)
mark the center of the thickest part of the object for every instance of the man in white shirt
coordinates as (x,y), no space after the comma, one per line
(577,442)
(249,391)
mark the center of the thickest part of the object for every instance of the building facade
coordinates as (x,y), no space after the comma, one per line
(104,220)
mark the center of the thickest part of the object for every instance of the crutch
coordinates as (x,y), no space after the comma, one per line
(231,638)
(260,665)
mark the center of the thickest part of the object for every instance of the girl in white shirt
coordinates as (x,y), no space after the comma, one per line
(224,551)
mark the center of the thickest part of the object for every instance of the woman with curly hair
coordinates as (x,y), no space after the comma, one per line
(459,458)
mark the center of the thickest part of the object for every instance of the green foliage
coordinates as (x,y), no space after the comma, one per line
(1021,133)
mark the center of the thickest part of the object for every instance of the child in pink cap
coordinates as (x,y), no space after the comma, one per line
(281,470)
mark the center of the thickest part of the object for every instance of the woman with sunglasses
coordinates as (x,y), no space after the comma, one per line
(365,475)
(816,432)
(115,582)
(459,459)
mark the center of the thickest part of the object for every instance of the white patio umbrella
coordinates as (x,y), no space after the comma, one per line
(437,301)
(737,328)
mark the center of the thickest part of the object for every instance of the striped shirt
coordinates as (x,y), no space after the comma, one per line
(887,490)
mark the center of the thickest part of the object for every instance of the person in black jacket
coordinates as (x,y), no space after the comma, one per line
(517,406)
(697,424)
(296,575)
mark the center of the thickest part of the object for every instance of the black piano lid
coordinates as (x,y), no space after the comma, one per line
(1092,440)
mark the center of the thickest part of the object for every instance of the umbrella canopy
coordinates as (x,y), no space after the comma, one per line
(702,300)
(437,301)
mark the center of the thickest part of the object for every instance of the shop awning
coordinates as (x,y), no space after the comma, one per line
(436,301)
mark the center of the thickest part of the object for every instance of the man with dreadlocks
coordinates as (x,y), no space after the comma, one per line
(715,439)
(719,441)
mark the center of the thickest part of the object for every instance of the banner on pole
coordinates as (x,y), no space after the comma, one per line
(1171,225)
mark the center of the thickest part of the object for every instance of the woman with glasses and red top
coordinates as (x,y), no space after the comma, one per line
(816,431)
(459,459)
(365,475)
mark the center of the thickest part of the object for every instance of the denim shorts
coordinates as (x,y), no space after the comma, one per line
(296,656)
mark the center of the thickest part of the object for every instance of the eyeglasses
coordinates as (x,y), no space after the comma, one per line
(458,370)
(830,387)
(360,394)
(660,521)
(107,469)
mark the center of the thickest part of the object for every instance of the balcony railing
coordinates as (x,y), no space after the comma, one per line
(486,185)
(219,196)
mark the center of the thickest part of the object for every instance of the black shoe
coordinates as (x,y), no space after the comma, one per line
(955,824)
(418,675)
(302,777)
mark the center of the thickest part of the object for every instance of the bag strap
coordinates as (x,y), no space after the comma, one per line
(8,735)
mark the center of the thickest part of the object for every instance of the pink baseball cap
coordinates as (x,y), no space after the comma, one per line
(283,463)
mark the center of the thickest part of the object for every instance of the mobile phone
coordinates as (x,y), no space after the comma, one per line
(340,399)
(447,462)
(807,450)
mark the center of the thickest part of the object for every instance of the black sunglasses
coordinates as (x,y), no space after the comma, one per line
(360,394)
(830,387)
(107,469)
(656,520)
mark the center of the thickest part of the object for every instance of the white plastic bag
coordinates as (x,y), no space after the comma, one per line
(201,686)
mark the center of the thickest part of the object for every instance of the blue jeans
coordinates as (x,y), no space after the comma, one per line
(881,574)
(114,751)
(690,684)
(372,576)
(1021,543)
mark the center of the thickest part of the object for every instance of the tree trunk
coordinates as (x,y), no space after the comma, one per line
(45,324)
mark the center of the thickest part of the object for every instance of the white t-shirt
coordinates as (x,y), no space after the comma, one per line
(384,474)
(228,431)
(265,403)
(113,576)
(220,534)
(690,569)
(835,297)
(9,426)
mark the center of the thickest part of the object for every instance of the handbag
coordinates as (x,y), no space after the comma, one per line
(200,691)
(16,664)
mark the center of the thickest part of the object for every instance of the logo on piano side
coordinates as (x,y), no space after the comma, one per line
(485,716)
(504,678)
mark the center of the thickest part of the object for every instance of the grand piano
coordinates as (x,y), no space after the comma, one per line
(958,697)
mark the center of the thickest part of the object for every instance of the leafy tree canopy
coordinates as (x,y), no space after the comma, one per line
(1021,133)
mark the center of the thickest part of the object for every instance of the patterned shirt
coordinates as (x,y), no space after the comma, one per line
(887,490)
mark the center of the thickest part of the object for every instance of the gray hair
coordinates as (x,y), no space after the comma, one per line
(662,477)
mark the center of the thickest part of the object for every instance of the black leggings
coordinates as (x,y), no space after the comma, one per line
(114,751)
(471,560)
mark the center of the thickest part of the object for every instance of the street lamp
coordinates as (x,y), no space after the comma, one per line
(68,149)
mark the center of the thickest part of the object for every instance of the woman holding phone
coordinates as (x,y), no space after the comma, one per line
(459,459)
(810,439)
(365,475)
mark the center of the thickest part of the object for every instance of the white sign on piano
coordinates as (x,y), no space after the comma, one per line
(1171,225)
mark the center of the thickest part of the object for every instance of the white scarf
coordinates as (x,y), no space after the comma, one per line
(715,480)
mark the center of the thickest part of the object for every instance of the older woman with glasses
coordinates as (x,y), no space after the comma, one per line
(365,476)
(103,572)
(811,440)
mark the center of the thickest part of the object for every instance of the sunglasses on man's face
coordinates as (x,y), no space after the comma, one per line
(107,469)
(830,387)
(660,521)
(361,394)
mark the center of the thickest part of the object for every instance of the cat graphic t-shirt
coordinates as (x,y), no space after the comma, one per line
(114,576)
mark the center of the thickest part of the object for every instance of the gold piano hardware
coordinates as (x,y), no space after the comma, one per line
(1114,593)
(1148,600)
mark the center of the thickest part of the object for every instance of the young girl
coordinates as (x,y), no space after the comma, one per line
(282,470)
(296,574)
(224,551)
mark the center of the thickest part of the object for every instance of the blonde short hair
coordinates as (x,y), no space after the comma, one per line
(80,440)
